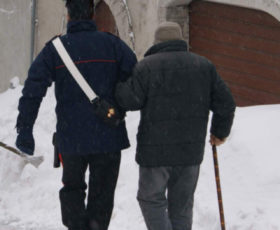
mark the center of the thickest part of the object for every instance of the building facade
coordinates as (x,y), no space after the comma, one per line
(15,40)
(239,36)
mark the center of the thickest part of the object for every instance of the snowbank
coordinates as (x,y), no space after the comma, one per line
(249,167)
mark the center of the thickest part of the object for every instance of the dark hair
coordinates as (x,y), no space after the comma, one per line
(80,9)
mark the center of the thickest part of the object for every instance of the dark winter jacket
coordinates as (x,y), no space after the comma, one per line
(175,90)
(103,59)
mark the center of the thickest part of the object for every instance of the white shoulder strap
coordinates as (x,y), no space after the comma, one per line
(73,69)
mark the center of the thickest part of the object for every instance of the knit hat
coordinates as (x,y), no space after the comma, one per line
(167,31)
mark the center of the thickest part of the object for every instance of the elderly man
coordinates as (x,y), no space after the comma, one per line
(175,90)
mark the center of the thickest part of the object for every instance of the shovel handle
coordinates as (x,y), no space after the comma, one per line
(11,149)
(219,189)
(35,161)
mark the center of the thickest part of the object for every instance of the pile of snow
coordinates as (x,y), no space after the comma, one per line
(249,167)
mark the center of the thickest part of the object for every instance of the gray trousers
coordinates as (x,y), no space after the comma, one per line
(174,211)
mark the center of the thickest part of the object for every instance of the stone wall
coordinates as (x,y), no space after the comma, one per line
(144,16)
(15,39)
(179,14)
(51,21)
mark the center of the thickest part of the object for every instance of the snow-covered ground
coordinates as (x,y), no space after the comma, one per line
(249,167)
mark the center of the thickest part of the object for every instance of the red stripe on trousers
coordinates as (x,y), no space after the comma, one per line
(61,160)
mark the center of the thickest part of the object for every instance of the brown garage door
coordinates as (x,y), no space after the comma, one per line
(244,45)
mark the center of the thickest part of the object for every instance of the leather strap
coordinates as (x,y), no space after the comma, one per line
(72,68)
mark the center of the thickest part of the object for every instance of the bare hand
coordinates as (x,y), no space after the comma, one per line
(216,141)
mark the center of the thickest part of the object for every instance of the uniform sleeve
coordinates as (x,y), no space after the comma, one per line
(126,60)
(40,77)
(132,94)
(222,106)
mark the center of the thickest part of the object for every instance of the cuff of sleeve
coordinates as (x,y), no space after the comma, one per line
(217,134)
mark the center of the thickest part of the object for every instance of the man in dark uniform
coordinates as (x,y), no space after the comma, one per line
(83,140)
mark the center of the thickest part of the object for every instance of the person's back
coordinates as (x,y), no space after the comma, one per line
(180,89)
(175,116)
(175,90)
(82,139)
(103,60)
(98,56)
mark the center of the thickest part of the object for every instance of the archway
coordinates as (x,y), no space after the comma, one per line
(104,19)
(117,20)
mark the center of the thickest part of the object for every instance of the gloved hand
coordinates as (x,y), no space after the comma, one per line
(25,141)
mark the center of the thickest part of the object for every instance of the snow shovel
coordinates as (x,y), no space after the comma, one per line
(219,189)
(35,161)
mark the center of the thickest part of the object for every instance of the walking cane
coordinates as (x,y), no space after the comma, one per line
(219,190)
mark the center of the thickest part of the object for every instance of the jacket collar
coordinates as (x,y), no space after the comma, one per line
(81,25)
(169,46)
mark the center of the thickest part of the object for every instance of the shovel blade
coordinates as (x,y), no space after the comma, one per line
(35,161)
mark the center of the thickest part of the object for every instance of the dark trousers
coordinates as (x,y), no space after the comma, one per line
(173,212)
(104,171)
